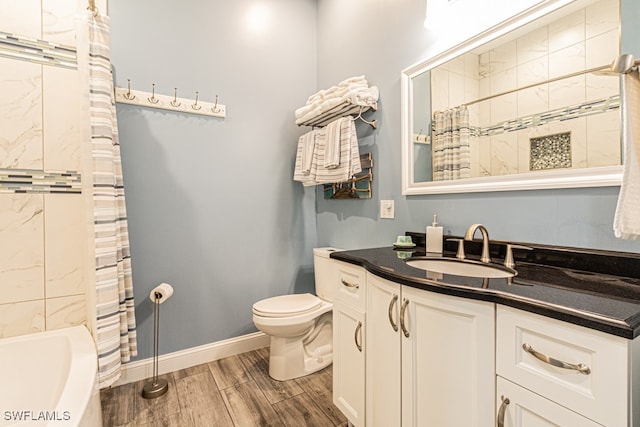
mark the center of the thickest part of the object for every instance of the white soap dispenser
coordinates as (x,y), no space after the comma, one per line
(434,237)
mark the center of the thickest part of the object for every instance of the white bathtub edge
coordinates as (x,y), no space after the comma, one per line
(141,369)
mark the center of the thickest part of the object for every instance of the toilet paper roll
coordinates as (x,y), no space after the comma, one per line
(164,291)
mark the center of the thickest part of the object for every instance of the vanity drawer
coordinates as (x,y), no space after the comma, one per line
(351,284)
(594,379)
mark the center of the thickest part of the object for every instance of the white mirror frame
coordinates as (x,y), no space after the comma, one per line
(570,178)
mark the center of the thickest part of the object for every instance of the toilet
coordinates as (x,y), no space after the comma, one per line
(300,325)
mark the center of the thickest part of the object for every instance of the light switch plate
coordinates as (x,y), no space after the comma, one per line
(386,209)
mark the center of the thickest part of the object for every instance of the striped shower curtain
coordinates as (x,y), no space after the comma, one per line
(115,323)
(451,152)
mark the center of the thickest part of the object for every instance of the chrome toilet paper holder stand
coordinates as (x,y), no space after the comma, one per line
(156,387)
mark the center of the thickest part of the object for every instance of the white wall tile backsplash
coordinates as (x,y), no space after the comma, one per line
(65,237)
(62,118)
(21,17)
(584,39)
(602,17)
(567,31)
(21,318)
(43,240)
(65,311)
(21,247)
(20,114)
(58,20)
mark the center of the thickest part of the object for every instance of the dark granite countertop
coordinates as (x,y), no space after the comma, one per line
(591,296)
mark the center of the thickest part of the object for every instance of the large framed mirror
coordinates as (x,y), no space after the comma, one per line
(528,104)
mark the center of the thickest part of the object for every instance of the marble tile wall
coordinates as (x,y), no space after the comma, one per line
(584,39)
(43,241)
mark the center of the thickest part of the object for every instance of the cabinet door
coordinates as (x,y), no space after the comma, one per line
(382,353)
(519,407)
(448,370)
(348,362)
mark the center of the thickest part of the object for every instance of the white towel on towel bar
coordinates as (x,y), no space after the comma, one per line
(308,150)
(332,143)
(303,156)
(349,163)
(626,223)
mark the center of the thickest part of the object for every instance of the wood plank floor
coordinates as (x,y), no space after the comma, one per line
(235,391)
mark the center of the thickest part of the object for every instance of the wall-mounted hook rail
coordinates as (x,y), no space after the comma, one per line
(166,102)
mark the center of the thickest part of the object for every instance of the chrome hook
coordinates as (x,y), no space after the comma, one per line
(215,107)
(175,102)
(153,98)
(128,94)
(195,105)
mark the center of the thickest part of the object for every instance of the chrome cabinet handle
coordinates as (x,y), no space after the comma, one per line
(349,285)
(581,367)
(503,409)
(402,315)
(393,302)
(355,337)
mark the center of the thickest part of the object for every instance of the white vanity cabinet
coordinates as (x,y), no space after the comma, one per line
(429,358)
(348,341)
(588,372)
(519,407)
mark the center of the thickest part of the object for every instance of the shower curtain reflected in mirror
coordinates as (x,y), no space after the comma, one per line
(451,153)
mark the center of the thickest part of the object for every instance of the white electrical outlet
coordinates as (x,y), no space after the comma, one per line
(386,209)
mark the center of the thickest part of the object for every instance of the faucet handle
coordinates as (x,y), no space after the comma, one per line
(508,259)
(460,253)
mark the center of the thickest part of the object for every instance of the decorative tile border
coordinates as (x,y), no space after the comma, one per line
(560,114)
(38,51)
(39,181)
(550,152)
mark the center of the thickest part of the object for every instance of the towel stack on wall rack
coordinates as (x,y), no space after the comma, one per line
(330,156)
(350,97)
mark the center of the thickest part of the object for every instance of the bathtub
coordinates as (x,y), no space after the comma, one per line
(49,379)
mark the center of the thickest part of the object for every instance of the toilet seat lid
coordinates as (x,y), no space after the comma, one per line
(285,305)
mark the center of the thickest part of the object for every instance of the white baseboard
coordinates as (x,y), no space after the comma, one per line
(141,369)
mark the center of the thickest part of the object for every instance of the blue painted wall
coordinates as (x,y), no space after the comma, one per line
(379,39)
(211,204)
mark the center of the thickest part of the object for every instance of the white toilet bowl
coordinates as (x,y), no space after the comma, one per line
(300,325)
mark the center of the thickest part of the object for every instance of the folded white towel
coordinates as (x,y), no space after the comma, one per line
(355,79)
(626,223)
(323,107)
(303,111)
(366,97)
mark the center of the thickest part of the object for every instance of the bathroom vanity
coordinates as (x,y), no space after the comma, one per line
(555,345)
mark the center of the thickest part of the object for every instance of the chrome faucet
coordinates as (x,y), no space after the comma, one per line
(485,240)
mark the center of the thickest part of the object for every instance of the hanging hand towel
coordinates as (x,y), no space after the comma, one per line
(306,159)
(349,163)
(333,144)
(626,223)
(308,150)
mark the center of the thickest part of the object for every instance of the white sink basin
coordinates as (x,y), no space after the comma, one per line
(462,268)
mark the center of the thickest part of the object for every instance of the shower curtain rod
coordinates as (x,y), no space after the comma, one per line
(611,68)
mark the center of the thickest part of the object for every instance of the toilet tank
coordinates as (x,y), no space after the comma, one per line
(325,273)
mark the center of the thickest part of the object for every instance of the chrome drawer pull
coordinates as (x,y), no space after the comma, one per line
(355,337)
(581,367)
(349,285)
(393,302)
(503,409)
(403,310)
